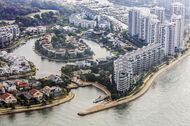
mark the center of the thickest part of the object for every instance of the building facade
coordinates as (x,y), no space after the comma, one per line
(179,31)
(77,20)
(160,12)
(178,8)
(153,30)
(144,25)
(128,68)
(167,38)
(133,21)
(8,34)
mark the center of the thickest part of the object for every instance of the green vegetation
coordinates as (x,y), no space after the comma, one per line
(41,12)
(9,10)
(45,19)
(68,49)
(34,12)
(58,41)
(101,74)
(46,82)
(134,39)
(69,69)
(33,67)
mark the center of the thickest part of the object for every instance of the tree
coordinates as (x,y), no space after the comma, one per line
(12,106)
(90,77)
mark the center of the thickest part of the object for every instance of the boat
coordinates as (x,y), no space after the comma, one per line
(98,99)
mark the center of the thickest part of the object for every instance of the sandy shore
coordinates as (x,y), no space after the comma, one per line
(102,88)
(86,84)
(147,84)
(20,109)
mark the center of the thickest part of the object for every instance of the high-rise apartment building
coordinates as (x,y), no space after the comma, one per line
(179,31)
(133,21)
(8,34)
(160,12)
(167,37)
(129,67)
(178,8)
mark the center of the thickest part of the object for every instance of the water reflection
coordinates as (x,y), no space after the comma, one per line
(27,114)
(11,117)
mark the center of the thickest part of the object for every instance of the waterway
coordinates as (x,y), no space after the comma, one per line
(47,67)
(165,104)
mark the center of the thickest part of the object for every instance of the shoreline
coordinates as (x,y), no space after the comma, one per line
(57,102)
(59,60)
(18,76)
(17,43)
(148,82)
(102,88)
(97,85)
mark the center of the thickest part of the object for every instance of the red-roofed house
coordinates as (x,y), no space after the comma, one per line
(21,85)
(8,98)
(46,90)
(36,94)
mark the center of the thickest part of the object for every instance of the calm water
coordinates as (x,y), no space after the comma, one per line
(47,67)
(167,103)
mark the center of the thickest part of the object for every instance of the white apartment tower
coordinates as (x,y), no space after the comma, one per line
(129,67)
(167,37)
(160,12)
(133,21)
(179,31)
(178,17)
(143,27)
(187,8)
(178,9)
(153,30)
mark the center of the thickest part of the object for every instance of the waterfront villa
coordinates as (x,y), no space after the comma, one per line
(56,91)
(51,91)
(26,96)
(14,64)
(9,86)
(55,78)
(21,85)
(8,98)
(36,94)
(46,91)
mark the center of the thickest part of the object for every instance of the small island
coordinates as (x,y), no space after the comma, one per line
(61,47)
